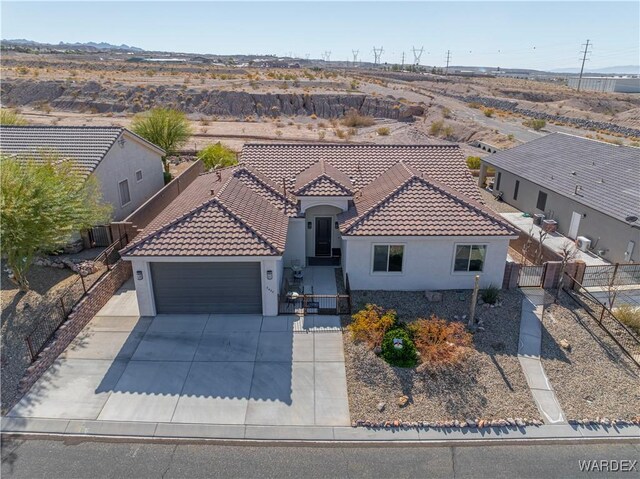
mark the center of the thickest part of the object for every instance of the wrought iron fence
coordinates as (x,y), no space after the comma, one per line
(303,304)
(621,274)
(51,315)
(531,276)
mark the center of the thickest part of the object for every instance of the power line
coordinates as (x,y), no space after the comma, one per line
(584,59)
(417,54)
(355,56)
(377,53)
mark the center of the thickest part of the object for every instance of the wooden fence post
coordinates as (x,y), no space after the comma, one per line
(474,300)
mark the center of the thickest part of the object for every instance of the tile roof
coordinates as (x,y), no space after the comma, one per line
(404,202)
(362,163)
(226,212)
(608,175)
(85,145)
(323,179)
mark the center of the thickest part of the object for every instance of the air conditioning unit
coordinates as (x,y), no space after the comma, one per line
(538,218)
(583,243)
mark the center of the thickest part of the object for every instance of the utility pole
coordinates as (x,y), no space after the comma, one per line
(446,70)
(417,54)
(355,56)
(584,59)
(377,53)
(403,60)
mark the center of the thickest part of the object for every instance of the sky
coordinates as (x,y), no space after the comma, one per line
(516,34)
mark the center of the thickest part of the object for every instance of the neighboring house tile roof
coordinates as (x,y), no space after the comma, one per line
(404,202)
(86,146)
(227,212)
(323,179)
(244,210)
(362,163)
(608,175)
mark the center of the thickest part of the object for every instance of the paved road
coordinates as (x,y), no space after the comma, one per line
(79,458)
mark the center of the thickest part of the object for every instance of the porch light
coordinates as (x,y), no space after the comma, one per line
(139,275)
(336,225)
(309,224)
(269,274)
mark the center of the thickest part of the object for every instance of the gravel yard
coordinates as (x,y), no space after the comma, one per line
(593,378)
(488,385)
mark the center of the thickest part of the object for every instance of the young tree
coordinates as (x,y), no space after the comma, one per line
(217,156)
(542,236)
(568,252)
(10,117)
(169,129)
(42,205)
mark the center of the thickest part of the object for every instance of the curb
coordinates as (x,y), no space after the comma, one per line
(326,434)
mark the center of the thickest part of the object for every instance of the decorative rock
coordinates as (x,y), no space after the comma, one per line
(472,423)
(354,424)
(377,350)
(520,423)
(381,406)
(396,423)
(564,344)
(403,401)
(433,296)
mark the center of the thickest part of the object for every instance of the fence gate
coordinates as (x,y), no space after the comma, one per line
(100,236)
(531,276)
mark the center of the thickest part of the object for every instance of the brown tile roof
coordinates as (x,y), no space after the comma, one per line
(362,163)
(404,202)
(322,179)
(243,217)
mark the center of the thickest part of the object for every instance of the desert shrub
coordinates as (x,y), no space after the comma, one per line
(370,324)
(354,84)
(398,349)
(629,316)
(356,120)
(383,131)
(436,127)
(473,162)
(446,113)
(10,117)
(490,295)
(217,156)
(488,112)
(536,124)
(440,343)
(475,104)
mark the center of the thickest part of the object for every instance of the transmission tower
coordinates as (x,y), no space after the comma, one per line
(403,60)
(377,53)
(446,70)
(584,59)
(326,56)
(355,56)
(417,54)
(307,55)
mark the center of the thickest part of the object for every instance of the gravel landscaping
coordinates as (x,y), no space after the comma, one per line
(488,385)
(593,378)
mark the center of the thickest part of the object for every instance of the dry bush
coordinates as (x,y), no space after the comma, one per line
(629,316)
(356,120)
(370,324)
(383,131)
(441,343)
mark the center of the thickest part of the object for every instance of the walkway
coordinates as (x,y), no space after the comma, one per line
(529,357)
(321,278)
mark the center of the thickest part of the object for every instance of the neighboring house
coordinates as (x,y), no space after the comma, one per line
(394,217)
(591,188)
(128,167)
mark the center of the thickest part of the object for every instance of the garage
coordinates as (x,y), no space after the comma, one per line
(207,287)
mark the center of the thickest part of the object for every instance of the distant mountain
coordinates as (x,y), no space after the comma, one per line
(620,70)
(88,46)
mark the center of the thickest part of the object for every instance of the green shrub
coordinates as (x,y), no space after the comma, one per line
(473,162)
(629,316)
(217,156)
(10,117)
(490,295)
(537,125)
(404,356)
(167,177)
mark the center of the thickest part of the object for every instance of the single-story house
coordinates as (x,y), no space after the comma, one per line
(590,188)
(394,217)
(128,167)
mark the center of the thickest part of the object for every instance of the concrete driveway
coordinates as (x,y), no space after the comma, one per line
(197,369)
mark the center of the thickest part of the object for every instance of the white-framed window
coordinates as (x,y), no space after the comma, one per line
(138,176)
(387,258)
(125,196)
(469,258)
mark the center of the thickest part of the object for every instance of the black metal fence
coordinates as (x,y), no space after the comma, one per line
(51,315)
(303,304)
(623,336)
(531,276)
(621,274)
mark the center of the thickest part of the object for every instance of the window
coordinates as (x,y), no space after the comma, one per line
(387,258)
(515,191)
(138,176)
(498,178)
(469,257)
(125,197)
(542,201)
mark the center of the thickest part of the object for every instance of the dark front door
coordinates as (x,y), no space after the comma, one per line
(323,236)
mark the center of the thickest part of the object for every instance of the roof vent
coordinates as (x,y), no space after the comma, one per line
(213,192)
(219,175)
(573,173)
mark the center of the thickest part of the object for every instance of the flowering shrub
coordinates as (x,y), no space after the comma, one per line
(370,324)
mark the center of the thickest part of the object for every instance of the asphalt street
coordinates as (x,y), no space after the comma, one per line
(81,458)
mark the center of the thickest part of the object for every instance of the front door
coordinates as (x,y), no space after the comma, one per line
(323,236)
(575,224)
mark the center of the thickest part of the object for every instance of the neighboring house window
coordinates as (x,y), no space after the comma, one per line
(387,258)
(515,191)
(499,177)
(542,201)
(138,176)
(469,257)
(125,197)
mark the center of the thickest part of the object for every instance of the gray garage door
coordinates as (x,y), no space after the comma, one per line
(207,287)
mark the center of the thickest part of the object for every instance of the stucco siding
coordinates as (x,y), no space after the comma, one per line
(121,163)
(427,263)
(295,249)
(607,234)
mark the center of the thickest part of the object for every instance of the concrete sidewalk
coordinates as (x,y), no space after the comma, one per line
(529,357)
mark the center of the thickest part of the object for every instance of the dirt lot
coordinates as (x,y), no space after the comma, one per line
(489,384)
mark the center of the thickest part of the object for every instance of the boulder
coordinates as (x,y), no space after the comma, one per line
(402,401)
(433,296)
